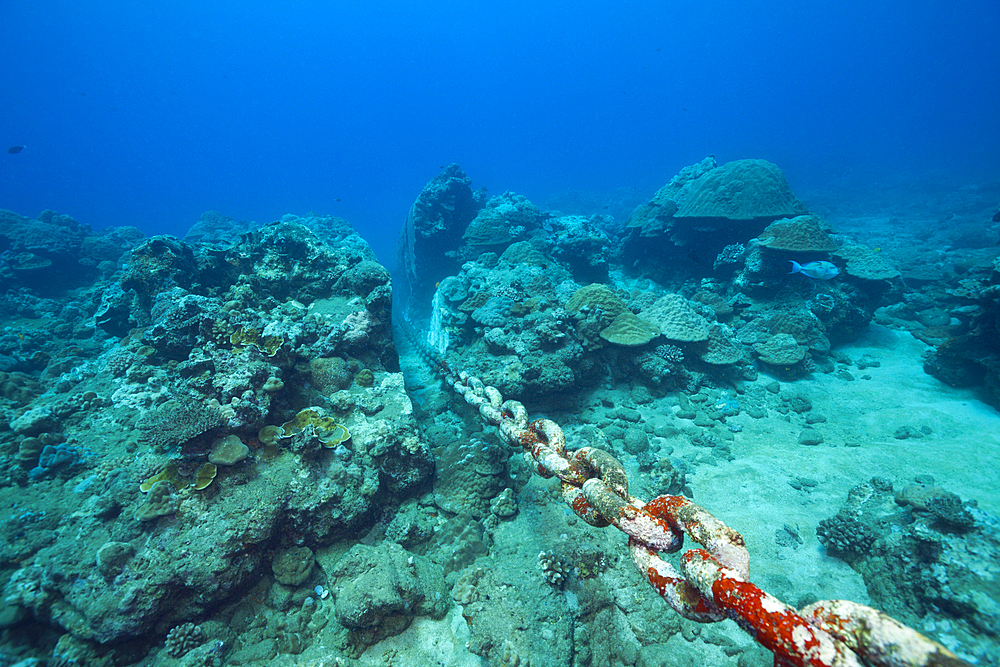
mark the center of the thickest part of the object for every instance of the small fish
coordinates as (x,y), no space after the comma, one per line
(817,270)
(15,149)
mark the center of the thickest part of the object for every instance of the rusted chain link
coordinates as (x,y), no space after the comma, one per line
(713,585)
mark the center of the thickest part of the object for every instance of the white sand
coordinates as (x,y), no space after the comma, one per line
(752,494)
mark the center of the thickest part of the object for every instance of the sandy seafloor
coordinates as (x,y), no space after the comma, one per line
(960,449)
(752,494)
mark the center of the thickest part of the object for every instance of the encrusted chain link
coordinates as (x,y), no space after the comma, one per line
(713,584)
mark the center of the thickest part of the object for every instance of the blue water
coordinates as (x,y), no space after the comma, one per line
(150,113)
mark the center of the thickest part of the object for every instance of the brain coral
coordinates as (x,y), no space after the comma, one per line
(739,190)
(628,330)
(803,233)
(676,319)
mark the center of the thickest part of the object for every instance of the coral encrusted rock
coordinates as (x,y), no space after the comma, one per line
(381,589)
(433,229)
(676,319)
(628,330)
(803,233)
(294,566)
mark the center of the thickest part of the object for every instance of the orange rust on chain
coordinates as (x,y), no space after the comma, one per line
(870,633)
(671,585)
(581,506)
(583,509)
(773,624)
(680,512)
(662,584)
(714,584)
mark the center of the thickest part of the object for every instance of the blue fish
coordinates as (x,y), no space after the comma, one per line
(817,270)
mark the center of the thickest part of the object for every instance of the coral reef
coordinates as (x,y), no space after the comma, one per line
(969,354)
(433,231)
(209,451)
(201,347)
(916,552)
(705,209)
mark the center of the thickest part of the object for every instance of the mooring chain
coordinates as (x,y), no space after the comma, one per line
(714,584)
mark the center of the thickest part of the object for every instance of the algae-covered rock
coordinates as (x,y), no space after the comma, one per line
(34,421)
(720,349)
(157,265)
(379,591)
(780,350)
(294,566)
(112,556)
(228,451)
(197,365)
(583,245)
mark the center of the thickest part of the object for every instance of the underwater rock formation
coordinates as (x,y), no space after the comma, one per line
(433,230)
(705,208)
(209,452)
(181,491)
(920,548)
(969,355)
(501,221)
(54,251)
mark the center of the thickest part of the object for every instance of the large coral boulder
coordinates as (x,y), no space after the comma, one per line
(380,590)
(748,191)
(501,221)
(704,209)
(43,252)
(433,229)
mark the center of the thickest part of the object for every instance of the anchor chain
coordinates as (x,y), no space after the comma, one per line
(713,582)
